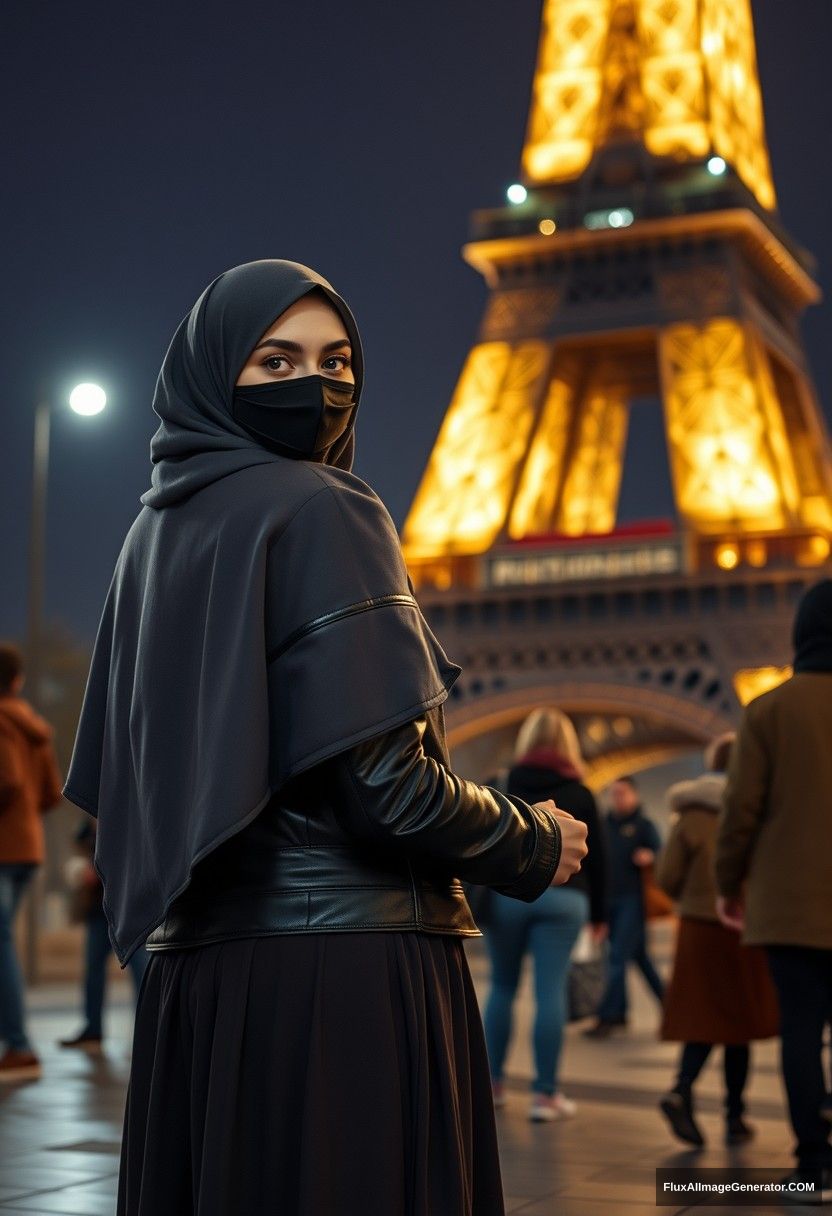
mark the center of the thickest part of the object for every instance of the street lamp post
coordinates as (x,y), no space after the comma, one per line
(84,399)
(37,546)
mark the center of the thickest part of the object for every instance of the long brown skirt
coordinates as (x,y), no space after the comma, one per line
(720,991)
(333,1074)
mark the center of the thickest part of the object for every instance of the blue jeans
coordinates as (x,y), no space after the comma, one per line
(628,944)
(14,878)
(548,928)
(98,952)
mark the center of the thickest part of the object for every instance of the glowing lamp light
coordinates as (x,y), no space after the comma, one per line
(619,217)
(756,553)
(87,399)
(727,557)
(814,551)
(716,166)
(547,227)
(517,193)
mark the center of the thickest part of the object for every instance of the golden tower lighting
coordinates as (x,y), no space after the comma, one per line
(642,256)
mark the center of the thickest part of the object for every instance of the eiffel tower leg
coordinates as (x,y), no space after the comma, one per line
(540,487)
(464,496)
(729,450)
(589,498)
(809,440)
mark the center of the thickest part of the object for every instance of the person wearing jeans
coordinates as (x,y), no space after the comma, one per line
(87,892)
(628,944)
(547,764)
(14,880)
(632,843)
(548,930)
(30,784)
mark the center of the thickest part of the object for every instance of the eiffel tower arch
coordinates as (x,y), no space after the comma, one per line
(643,257)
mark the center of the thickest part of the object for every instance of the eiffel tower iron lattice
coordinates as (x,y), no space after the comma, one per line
(646,259)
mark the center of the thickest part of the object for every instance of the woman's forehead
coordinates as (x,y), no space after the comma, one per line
(312,318)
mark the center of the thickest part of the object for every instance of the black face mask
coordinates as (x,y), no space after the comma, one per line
(299,418)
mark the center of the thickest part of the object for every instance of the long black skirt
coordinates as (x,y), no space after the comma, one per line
(331,1074)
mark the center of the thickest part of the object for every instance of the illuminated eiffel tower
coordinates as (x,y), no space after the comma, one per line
(642,256)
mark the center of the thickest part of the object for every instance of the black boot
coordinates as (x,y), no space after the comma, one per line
(737,1131)
(602,1029)
(677,1108)
(85,1039)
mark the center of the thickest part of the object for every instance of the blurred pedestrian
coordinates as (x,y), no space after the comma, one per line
(632,844)
(30,784)
(720,991)
(547,764)
(87,906)
(774,861)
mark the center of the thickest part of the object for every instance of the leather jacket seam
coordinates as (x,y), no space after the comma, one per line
(300,927)
(558,841)
(534,857)
(343,757)
(357,886)
(329,618)
(417,907)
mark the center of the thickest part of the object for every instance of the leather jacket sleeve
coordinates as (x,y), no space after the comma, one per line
(390,791)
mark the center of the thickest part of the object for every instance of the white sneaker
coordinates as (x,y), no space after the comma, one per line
(546,1108)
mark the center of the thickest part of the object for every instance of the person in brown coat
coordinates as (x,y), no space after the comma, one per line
(720,990)
(30,783)
(774,860)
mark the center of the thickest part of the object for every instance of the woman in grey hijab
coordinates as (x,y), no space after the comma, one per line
(262,741)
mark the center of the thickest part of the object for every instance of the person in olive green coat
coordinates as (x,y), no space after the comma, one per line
(774,860)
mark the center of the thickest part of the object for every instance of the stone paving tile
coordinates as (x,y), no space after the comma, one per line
(591,1207)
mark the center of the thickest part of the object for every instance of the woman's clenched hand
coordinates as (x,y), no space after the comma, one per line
(573,842)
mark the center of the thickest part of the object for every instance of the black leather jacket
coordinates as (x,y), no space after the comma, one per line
(376,838)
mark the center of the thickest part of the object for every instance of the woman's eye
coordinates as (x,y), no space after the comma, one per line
(276,363)
(336,363)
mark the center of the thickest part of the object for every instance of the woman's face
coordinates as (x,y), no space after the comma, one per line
(308,339)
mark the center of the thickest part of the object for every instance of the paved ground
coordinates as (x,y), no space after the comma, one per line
(59,1136)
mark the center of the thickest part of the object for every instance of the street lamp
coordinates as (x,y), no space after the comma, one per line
(87,399)
(84,399)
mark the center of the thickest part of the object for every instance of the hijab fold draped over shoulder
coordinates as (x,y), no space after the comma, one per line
(260,619)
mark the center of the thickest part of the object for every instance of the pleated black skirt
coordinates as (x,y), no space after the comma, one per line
(333,1074)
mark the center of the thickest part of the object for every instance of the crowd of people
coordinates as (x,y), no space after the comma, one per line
(747,864)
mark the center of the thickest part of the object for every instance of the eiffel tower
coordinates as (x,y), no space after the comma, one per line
(642,256)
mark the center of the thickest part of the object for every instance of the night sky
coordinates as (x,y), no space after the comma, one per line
(151,146)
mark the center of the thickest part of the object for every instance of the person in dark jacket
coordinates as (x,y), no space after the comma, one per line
(720,991)
(88,905)
(632,843)
(547,764)
(262,741)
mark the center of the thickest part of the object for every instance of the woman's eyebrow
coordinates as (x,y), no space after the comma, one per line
(295,348)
